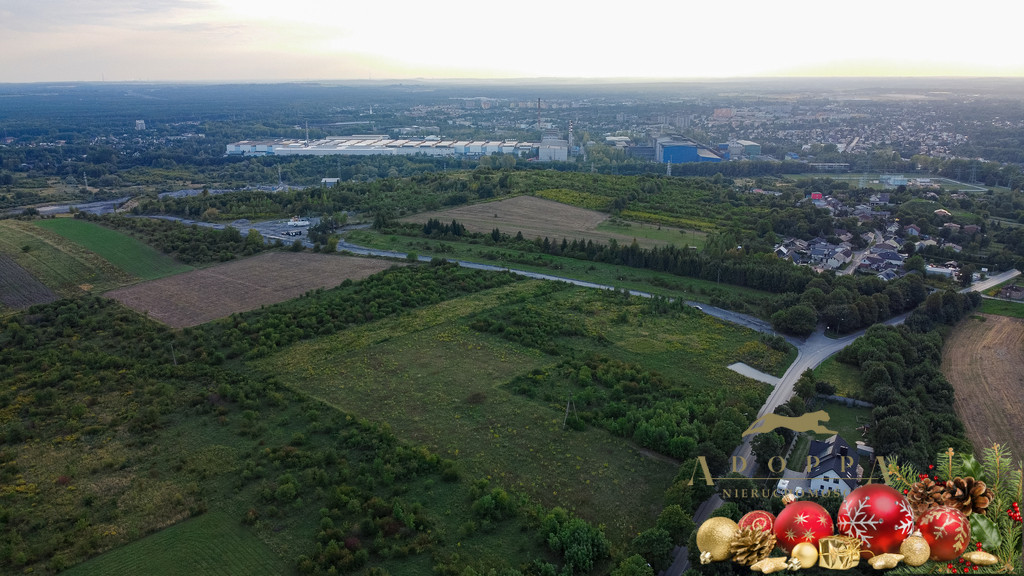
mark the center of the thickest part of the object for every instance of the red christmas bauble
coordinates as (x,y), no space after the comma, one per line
(947,531)
(879,516)
(758,520)
(802,521)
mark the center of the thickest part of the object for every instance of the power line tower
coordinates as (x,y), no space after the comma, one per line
(568,405)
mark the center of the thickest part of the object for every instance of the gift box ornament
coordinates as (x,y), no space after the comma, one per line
(838,552)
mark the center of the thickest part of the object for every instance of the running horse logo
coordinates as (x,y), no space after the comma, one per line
(810,422)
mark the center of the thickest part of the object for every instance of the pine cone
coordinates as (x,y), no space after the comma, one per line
(967,495)
(925,494)
(751,546)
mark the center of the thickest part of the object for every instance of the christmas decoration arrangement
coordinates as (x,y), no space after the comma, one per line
(879,516)
(959,516)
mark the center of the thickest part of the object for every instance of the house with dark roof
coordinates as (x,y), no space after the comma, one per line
(836,469)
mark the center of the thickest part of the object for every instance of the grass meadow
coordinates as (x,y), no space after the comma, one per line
(667,235)
(125,252)
(844,377)
(435,381)
(62,265)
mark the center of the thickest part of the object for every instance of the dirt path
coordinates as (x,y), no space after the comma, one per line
(983,360)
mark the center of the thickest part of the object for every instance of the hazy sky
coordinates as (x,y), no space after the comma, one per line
(221,40)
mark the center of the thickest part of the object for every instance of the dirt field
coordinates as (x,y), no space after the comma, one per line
(198,297)
(983,361)
(18,288)
(534,217)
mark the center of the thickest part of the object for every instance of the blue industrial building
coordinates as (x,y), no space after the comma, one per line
(682,150)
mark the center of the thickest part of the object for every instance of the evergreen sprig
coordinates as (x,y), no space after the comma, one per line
(1003,475)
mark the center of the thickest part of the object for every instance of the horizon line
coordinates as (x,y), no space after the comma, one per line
(537,79)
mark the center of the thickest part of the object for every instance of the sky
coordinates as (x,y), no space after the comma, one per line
(286,40)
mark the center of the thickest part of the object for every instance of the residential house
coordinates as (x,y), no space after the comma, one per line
(836,469)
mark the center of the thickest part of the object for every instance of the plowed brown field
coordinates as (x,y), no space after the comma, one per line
(203,295)
(984,361)
(534,217)
(18,288)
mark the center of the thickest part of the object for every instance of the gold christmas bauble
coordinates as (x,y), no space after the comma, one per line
(915,550)
(714,537)
(806,553)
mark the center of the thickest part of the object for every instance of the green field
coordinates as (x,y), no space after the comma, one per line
(62,265)
(1002,308)
(214,544)
(661,283)
(655,232)
(435,381)
(123,251)
(844,377)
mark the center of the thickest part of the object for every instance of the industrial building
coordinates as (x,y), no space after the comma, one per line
(367,144)
(736,149)
(676,150)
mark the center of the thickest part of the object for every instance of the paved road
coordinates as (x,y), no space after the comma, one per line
(996,280)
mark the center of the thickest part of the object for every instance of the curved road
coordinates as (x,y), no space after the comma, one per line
(811,352)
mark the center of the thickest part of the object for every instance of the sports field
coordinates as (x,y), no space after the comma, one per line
(203,295)
(121,250)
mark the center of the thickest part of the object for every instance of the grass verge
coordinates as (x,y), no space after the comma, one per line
(1002,308)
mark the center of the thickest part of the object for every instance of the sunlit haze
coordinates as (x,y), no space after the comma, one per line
(223,40)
